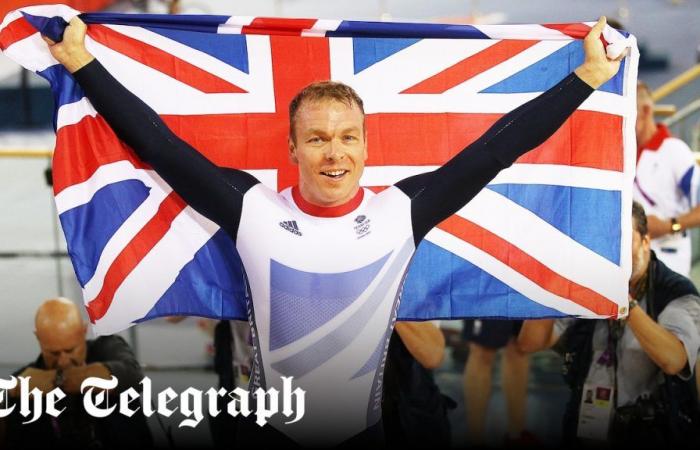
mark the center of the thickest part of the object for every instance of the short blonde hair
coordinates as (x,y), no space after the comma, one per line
(323,90)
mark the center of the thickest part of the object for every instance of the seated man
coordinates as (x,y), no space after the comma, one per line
(618,364)
(66,360)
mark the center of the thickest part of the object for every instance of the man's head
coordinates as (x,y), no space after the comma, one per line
(61,334)
(328,141)
(641,243)
(645,127)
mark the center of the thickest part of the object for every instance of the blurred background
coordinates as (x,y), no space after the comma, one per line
(33,261)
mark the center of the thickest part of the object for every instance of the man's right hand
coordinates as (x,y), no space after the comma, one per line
(38,378)
(71,52)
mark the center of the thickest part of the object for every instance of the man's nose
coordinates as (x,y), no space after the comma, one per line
(64,361)
(333,150)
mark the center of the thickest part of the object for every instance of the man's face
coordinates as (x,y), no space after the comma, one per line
(62,349)
(640,254)
(330,148)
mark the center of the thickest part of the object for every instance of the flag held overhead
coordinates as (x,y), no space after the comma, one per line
(549,237)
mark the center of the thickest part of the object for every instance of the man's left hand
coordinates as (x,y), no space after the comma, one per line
(73,377)
(597,68)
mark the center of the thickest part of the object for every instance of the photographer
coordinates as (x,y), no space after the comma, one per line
(638,371)
(67,359)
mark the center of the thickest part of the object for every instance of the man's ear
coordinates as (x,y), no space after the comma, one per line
(292,151)
(366,154)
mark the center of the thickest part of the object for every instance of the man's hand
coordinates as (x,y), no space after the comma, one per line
(597,68)
(40,379)
(73,377)
(71,52)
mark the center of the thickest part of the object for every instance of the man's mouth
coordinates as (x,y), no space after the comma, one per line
(334,174)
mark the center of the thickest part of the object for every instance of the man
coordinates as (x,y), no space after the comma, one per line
(66,360)
(485,338)
(414,412)
(666,185)
(325,259)
(621,362)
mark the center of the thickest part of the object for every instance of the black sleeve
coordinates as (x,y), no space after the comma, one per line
(215,192)
(437,195)
(117,356)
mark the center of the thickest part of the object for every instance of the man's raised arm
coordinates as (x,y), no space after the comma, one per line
(439,194)
(215,192)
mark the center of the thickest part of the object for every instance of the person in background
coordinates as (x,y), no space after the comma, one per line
(67,358)
(640,369)
(485,338)
(414,412)
(666,185)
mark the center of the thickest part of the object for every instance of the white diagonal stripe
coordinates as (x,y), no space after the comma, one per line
(155,274)
(9,18)
(126,232)
(235,24)
(193,56)
(525,31)
(507,275)
(545,243)
(167,95)
(82,193)
(31,53)
(72,113)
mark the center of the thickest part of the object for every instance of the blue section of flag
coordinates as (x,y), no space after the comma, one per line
(63,85)
(550,70)
(589,216)
(369,51)
(405,30)
(51,27)
(441,285)
(211,285)
(201,23)
(89,227)
(229,48)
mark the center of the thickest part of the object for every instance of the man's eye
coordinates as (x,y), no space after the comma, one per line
(314,140)
(349,138)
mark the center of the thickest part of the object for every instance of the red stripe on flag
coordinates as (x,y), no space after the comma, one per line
(394,139)
(528,266)
(470,67)
(432,139)
(134,252)
(15,31)
(574,30)
(85,146)
(163,61)
(280,27)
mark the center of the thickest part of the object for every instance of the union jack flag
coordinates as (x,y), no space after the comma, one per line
(549,237)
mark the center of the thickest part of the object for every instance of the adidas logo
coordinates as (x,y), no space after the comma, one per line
(291,226)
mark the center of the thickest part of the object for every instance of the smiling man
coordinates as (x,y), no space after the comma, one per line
(325,260)
(330,146)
